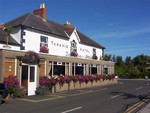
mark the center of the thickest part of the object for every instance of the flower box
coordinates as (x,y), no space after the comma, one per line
(74,53)
(44,49)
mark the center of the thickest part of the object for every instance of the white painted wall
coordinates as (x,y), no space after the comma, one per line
(16,34)
(12,47)
(32,40)
(84,51)
(56,45)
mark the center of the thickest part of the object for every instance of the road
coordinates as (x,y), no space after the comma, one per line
(107,99)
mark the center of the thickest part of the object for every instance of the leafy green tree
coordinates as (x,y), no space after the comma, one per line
(119,61)
(114,58)
(8,30)
(128,60)
(107,57)
(138,67)
(134,72)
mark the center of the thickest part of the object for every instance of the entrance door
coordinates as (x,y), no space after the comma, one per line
(32,79)
(29,78)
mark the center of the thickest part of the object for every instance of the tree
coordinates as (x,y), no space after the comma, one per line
(138,67)
(8,30)
(140,59)
(114,58)
(119,61)
(107,57)
(128,60)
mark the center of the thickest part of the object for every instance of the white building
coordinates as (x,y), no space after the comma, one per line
(62,50)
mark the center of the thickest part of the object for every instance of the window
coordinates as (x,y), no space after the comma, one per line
(73,45)
(44,39)
(73,49)
(94,54)
(32,72)
(44,44)
(94,51)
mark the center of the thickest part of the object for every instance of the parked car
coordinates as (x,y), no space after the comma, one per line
(3,92)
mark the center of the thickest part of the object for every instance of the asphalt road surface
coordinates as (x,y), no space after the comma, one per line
(115,98)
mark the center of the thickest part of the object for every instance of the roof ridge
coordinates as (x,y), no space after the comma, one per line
(49,26)
(7,23)
(28,15)
(91,39)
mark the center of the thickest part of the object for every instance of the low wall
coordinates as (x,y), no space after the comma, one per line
(77,85)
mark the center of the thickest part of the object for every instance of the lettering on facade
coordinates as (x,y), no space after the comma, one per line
(84,50)
(59,44)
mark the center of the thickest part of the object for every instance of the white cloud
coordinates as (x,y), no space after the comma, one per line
(127,50)
(124,34)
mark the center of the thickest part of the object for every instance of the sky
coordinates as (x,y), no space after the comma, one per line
(122,26)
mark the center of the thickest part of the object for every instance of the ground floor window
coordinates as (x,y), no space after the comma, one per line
(105,70)
(94,69)
(57,68)
(77,69)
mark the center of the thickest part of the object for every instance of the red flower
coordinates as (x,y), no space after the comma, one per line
(94,57)
(32,54)
(74,53)
(44,49)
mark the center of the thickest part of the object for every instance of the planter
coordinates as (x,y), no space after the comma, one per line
(78,85)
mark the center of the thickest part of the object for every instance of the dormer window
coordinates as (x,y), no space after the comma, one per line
(94,54)
(73,49)
(94,51)
(73,45)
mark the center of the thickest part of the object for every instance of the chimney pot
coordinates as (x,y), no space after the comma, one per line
(68,23)
(42,6)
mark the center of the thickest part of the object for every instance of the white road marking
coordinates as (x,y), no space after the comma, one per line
(138,88)
(117,95)
(42,100)
(74,109)
(90,91)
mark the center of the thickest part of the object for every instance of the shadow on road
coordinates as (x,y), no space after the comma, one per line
(124,95)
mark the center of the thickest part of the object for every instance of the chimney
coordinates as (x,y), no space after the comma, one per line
(68,25)
(41,12)
(2,26)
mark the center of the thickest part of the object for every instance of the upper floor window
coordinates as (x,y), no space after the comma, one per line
(94,51)
(73,49)
(73,45)
(94,54)
(44,44)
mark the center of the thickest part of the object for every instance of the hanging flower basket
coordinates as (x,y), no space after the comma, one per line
(31,57)
(31,54)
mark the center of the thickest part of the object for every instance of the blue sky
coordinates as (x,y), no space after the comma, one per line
(122,26)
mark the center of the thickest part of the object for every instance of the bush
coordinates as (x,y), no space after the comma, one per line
(20,92)
(41,90)
(12,84)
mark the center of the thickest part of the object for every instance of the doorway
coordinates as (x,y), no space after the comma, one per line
(29,78)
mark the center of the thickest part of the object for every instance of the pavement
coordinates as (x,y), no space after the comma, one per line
(142,106)
(145,109)
(146,102)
